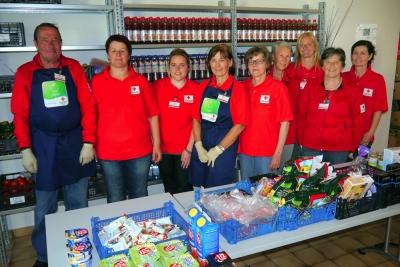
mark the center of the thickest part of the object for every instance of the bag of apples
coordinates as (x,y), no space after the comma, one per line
(17,190)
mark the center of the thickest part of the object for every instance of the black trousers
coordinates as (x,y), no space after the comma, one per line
(174,176)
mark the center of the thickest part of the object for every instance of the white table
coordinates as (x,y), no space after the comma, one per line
(278,239)
(57,223)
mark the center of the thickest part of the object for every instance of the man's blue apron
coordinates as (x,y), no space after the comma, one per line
(56,134)
(212,134)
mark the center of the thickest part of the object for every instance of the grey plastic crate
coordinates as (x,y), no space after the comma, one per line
(12,34)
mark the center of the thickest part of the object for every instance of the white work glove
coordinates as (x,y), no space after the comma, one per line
(213,154)
(201,151)
(351,156)
(87,154)
(29,160)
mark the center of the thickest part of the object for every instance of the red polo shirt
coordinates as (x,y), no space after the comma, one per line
(268,106)
(373,87)
(123,112)
(175,114)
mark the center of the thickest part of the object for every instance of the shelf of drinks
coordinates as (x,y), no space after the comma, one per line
(175,45)
(281,11)
(11,156)
(64,48)
(185,8)
(5,95)
(55,8)
(251,44)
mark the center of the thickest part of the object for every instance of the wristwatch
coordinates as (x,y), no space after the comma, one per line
(221,147)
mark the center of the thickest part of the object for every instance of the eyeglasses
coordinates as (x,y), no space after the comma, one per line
(256,62)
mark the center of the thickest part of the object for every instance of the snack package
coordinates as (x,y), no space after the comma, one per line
(283,187)
(115,260)
(145,253)
(298,167)
(184,260)
(313,180)
(171,248)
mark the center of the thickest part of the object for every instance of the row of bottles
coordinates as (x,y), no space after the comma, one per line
(177,30)
(214,30)
(155,67)
(271,30)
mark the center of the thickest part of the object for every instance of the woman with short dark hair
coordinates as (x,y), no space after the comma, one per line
(331,112)
(371,84)
(219,116)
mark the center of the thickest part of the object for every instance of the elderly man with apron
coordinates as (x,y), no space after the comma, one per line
(54,117)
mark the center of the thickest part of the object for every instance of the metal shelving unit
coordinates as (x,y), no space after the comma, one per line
(52,8)
(11,156)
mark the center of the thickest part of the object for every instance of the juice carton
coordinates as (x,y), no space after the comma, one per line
(207,239)
(193,214)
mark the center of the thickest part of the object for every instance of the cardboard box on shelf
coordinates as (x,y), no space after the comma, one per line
(394,132)
(391,154)
(396,91)
(395,120)
(394,141)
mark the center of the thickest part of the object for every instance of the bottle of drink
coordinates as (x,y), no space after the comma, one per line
(186,31)
(179,27)
(290,30)
(260,30)
(151,31)
(285,30)
(214,30)
(203,70)
(244,67)
(144,37)
(196,67)
(128,28)
(273,30)
(135,30)
(227,30)
(239,65)
(267,30)
(147,68)
(166,57)
(245,32)
(278,30)
(154,68)
(161,67)
(250,30)
(239,29)
(207,30)
(303,26)
(165,24)
(173,30)
(193,30)
(158,29)
(315,29)
(220,30)
(309,26)
(200,30)
(298,29)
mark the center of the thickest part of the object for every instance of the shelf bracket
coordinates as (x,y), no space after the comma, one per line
(321,28)
(234,32)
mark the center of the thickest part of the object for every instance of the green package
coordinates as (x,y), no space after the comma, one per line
(171,248)
(144,253)
(113,260)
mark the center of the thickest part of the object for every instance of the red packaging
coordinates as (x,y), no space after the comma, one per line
(220,259)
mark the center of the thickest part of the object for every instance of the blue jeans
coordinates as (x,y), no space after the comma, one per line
(252,166)
(126,177)
(75,197)
(333,157)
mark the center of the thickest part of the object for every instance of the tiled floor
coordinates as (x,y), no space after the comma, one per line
(336,249)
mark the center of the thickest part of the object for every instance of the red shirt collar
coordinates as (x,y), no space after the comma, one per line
(225,86)
(38,62)
(366,74)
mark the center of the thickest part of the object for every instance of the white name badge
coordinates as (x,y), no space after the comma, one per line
(188,98)
(362,108)
(223,98)
(264,99)
(173,104)
(59,77)
(303,84)
(135,90)
(368,92)
(323,106)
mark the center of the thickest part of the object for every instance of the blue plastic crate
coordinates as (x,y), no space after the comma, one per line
(233,231)
(296,218)
(168,210)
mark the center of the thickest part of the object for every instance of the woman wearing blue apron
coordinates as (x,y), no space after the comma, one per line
(219,116)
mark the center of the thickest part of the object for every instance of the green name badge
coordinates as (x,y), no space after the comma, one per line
(54,94)
(209,109)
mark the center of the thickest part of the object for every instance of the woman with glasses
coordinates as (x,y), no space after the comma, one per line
(219,116)
(175,96)
(127,136)
(371,84)
(261,143)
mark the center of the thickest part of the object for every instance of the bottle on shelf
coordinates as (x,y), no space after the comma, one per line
(278,30)
(245,32)
(200,30)
(260,31)
(173,31)
(273,31)
(309,26)
(250,30)
(267,27)
(179,30)
(214,30)
(135,30)
(298,28)
(186,30)
(238,65)
(144,37)
(227,30)
(128,28)
(207,30)
(285,30)
(166,28)
(154,68)
(290,30)
(220,30)
(147,68)
(158,29)
(162,67)
(193,30)
(315,29)
(196,67)
(203,69)
(239,29)
(141,65)
(151,31)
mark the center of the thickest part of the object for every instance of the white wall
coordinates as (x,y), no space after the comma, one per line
(81,29)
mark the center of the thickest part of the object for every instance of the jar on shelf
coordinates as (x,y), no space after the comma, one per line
(380,161)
